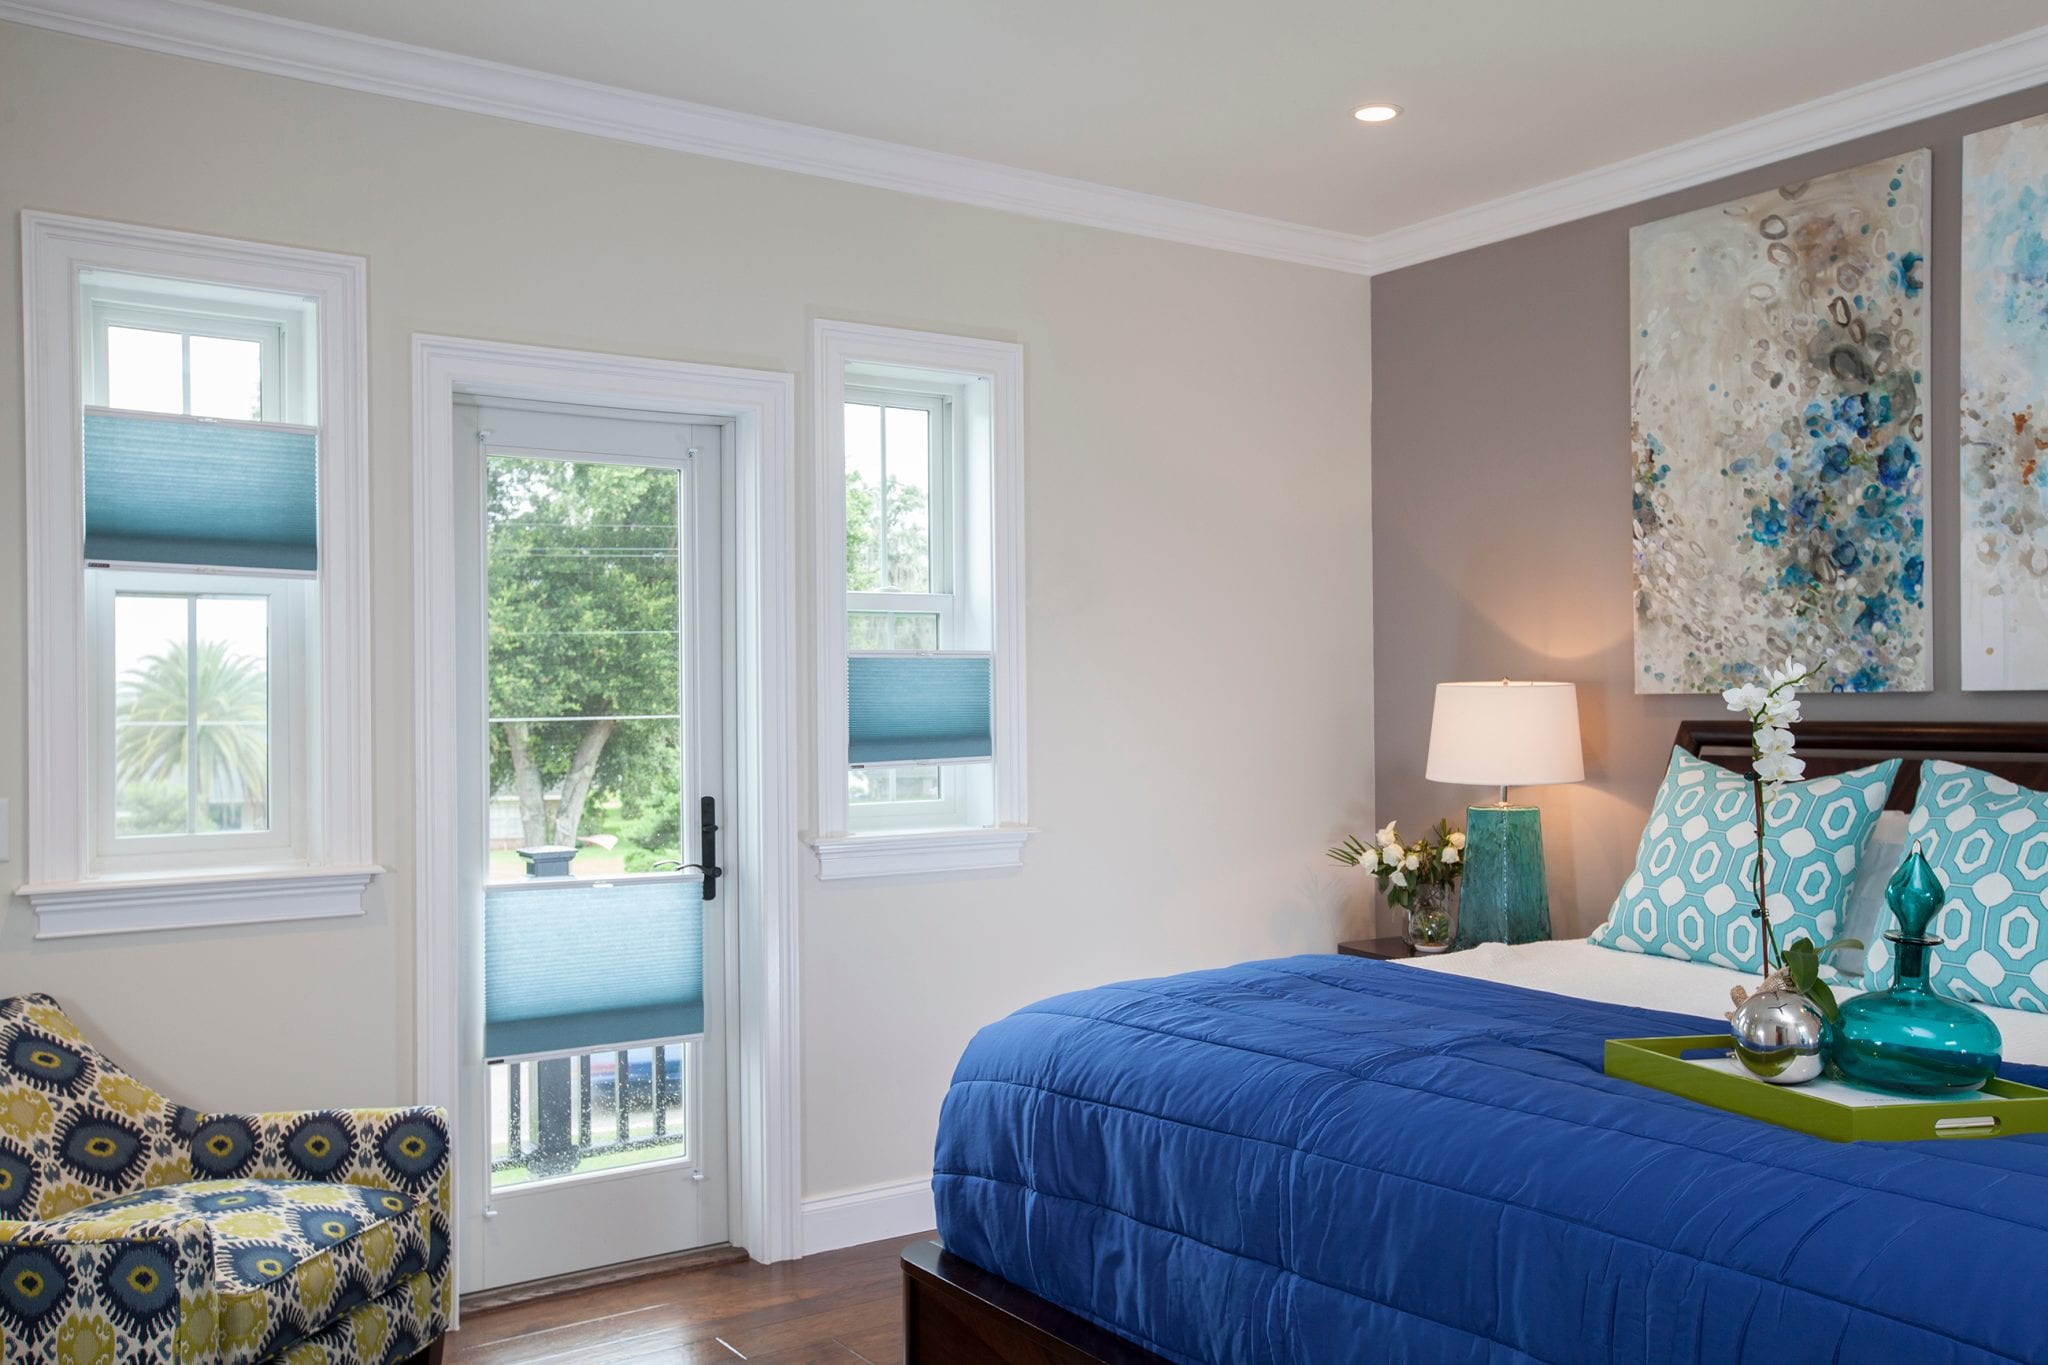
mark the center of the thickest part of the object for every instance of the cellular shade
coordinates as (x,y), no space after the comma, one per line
(918,708)
(209,494)
(1505,734)
(585,967)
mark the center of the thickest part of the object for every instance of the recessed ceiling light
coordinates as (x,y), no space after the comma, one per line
(1376,113)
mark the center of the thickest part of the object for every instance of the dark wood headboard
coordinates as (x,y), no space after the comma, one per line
(2017,750)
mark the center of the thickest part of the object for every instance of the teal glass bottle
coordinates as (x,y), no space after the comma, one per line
(1908,1038)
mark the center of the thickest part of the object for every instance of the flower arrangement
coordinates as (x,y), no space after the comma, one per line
(1772,707)
(1415,877)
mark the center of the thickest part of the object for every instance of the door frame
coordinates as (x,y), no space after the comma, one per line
(762,1076)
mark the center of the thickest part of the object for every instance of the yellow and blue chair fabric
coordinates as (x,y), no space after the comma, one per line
(136,1231)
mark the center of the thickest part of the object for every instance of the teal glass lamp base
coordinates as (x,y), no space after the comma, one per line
(1503,898)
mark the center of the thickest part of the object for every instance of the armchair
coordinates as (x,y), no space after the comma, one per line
(133,1229)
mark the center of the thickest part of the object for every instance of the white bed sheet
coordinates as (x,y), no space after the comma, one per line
(1578,968)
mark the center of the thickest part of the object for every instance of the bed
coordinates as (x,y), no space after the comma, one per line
(1325,1158)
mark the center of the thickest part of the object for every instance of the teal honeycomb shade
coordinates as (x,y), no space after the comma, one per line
(918,708)
(588,966)
(218,495)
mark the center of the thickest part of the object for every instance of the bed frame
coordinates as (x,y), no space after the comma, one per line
(955,1313)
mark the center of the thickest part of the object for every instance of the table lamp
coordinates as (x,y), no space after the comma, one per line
(1504,734)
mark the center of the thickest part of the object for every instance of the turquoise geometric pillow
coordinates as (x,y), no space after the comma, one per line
(1692,892)
(1987,839)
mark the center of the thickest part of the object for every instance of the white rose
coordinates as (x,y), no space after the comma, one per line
(1392,854)
(1412,861)
(1369,860)
(1457,838)
(1387,835)
(1398,879)
(1450,854)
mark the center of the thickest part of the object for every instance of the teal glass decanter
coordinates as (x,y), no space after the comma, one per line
(1908,1038)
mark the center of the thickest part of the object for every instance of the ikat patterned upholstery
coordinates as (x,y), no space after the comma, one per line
(135,1231)
(1987,839)
(1690,895)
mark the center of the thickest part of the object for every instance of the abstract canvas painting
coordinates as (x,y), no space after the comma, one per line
(1778,370)
(2004,578)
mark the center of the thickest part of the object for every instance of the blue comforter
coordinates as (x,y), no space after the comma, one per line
(1332,1159)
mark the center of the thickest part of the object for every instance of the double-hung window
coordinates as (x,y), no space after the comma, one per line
(921,763)
(195,482)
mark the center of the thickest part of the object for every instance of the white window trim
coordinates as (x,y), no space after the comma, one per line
(69,900)
(835,346)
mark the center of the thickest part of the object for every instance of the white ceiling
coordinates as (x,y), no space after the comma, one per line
(1238,104)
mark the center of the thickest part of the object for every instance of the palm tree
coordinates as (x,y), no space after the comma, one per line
(223,732)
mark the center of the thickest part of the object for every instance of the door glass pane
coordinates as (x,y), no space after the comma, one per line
(227,378)
(863,497)
(584,586)
(145,370)
(907,470)
(588,1112)
(585,685)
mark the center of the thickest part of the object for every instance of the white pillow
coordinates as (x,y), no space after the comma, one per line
(1868,916)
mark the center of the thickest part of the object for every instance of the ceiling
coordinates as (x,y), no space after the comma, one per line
(1226,103)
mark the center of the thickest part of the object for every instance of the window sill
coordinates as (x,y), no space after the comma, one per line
(133,905)
(845,856)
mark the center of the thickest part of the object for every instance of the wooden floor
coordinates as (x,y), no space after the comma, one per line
(839,1308)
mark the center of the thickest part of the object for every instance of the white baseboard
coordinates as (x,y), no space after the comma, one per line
(901,1209)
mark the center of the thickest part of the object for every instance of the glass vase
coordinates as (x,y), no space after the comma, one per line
(1908,1038)
(1431,919)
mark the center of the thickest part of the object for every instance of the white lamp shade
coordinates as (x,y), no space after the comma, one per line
(1505,734)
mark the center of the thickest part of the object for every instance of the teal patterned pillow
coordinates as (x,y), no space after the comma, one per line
(1987,839)
(1691,894)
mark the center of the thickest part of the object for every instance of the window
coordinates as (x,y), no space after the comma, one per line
(921,708)
(899,572)
(198,700)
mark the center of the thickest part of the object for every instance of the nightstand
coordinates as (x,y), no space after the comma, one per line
(1385,949)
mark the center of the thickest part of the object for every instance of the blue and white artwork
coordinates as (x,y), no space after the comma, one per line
(1777,386)
(2004,577)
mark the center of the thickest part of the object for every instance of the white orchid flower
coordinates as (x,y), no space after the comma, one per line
(1747,699)
(1792,672)
(1773,741)
(1782,708)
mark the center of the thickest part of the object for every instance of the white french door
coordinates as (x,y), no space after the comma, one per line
(594,939)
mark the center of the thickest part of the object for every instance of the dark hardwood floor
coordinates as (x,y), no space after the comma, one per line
(838,1308)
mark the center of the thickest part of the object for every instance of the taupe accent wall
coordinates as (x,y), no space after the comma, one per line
(1501,537)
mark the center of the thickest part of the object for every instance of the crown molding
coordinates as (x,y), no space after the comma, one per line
(1877,106)
(285,47)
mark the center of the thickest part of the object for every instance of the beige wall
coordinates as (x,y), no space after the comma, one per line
(1501,530)
(1200,603)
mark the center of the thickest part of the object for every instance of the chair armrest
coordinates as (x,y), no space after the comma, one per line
(113,1289)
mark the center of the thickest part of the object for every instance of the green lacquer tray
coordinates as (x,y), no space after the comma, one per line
(1834,1110)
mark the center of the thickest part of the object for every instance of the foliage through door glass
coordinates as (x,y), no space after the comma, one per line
(584,613)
